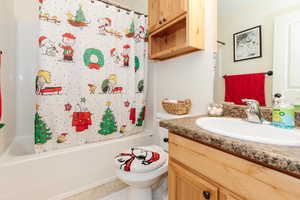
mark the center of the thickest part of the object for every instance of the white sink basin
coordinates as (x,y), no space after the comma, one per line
(243,130)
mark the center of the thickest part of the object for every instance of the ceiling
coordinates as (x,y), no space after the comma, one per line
(231,5)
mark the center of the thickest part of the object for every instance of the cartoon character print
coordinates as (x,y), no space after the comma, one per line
(115,56)
(110,85)
(125,55)
(92,88)
(104,24)
(47,46)
(140,35)
(68,41)
(142,156)
(132,112)
(105,28)
(79,19)
(42,79)
(40,4)
(62,138)
(82,117)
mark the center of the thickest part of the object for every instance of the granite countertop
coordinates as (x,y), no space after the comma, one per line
(283,158)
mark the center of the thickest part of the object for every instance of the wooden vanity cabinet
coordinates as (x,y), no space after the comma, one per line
(176,27)
(200,172)
(225,195)
(185,185)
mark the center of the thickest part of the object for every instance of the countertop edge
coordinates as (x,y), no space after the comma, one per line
(240,149)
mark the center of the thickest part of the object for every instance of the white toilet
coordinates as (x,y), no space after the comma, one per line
(141,177)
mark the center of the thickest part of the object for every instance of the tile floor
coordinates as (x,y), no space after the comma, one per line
(121,195)
(159,192)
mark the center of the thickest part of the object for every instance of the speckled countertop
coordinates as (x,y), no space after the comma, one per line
(283,158)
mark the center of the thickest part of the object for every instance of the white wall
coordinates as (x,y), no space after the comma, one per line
(27,32)
(7,45)
(238,15)
(190,76)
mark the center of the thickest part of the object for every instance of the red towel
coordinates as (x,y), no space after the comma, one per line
(245,86)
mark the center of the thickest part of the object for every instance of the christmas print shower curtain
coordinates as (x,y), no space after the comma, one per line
(90,83)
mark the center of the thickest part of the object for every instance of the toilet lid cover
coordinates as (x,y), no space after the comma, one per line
(141,159)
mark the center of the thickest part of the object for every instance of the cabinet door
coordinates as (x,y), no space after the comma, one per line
(184,185)
(163,11)
(228,196)
(154,14)
(173,9)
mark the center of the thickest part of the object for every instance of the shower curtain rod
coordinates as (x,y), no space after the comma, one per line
(119,6)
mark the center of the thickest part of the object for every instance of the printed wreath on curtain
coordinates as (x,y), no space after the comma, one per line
(93,58)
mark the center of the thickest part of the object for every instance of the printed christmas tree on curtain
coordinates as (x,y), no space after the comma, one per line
(80,15)
(132,28)
(131,31)
(42,132)
(141,118)
(108,124)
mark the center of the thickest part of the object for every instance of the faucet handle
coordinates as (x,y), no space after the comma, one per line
(250,101)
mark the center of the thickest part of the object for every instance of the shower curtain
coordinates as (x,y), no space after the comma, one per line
(90,83)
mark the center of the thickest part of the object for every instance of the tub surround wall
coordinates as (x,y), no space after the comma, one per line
(281,158)
(8,73)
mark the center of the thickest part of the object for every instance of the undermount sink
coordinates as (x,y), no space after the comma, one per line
(243,130)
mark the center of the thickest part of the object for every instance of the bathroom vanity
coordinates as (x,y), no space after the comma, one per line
(207,166)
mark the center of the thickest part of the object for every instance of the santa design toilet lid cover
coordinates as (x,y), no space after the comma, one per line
(141,159)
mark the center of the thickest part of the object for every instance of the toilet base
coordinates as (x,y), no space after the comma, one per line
(136,193)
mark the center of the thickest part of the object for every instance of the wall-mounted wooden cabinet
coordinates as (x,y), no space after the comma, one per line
(162,12)
(176,27)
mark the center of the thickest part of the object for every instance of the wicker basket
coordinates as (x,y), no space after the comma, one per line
(179,108)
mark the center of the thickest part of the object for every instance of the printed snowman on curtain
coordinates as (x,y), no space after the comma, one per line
(90,83)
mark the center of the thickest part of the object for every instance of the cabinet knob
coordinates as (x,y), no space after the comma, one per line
(206,195)
(166,140)
(160,22)
(164,20)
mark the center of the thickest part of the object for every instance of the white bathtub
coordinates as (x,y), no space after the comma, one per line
(59,174)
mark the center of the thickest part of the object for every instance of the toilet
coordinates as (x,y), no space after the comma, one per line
(143,167)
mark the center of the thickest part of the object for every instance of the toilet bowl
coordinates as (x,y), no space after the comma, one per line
(142,179)
(140,184)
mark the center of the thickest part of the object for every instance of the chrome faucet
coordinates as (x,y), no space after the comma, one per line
(253,111)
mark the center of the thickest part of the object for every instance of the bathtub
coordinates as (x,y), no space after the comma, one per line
(59,174)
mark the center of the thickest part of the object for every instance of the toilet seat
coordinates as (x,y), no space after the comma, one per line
(142,178)
(141,159)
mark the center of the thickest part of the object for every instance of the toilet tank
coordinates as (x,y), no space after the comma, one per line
(163,133)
